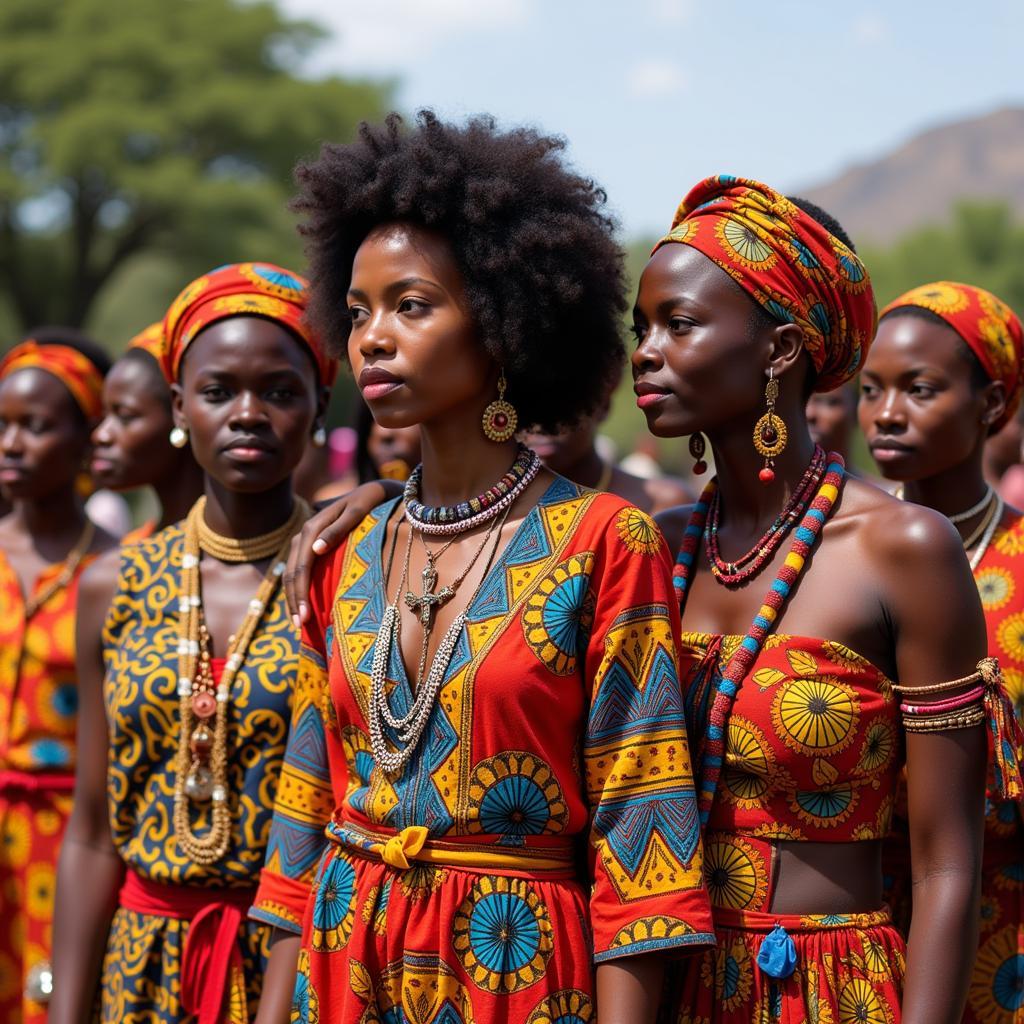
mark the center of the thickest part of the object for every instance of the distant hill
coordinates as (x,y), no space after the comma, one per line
(917,184)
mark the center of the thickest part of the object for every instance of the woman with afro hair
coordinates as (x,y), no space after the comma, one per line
(486,811)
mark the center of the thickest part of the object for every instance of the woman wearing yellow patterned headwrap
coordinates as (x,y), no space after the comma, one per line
(945,372)
(131,444)
(49,396)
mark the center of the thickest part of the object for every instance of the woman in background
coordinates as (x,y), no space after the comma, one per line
(49,402)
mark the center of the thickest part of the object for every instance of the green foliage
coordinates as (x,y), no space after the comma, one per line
(132,129)
(982,245)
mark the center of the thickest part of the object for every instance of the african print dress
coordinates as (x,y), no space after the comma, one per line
(38,705)
(812,753)
(165,895)
(996,993)
(546,822)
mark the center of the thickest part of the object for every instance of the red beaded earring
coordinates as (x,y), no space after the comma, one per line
(500,417)
(770,433)
(697,449)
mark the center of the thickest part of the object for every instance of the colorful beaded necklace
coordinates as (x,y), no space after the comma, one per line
(447,520)
(711,756)
(749,565)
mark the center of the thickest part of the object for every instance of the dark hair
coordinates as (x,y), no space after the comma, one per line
(543,275)
(71,337)
(148,362)
(978,377)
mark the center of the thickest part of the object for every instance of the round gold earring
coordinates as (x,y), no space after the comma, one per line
(500,417)
(770,434)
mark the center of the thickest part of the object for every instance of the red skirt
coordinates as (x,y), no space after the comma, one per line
(849,968)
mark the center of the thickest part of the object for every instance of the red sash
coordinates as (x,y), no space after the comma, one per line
(33,782)
(211,952)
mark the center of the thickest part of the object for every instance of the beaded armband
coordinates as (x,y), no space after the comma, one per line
(984,701)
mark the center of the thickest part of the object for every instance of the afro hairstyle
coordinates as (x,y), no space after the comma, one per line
(533,241)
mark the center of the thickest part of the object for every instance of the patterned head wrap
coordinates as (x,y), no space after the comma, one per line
(242,289)
(75,371)
(989,328)
(788,263)
(151,340)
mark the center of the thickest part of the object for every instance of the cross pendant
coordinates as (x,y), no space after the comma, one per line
(428,601)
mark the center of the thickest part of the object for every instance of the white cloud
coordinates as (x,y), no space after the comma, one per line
(654,79)
(871,28)
(383,35)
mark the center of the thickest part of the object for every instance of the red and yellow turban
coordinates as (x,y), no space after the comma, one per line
(788,263)
(990,329)
(75,371)
(151,340)
(242,289)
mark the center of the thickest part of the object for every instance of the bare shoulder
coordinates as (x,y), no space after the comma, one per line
(99,581)
(673,523)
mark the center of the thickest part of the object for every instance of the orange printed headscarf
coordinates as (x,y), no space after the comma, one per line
(788,263)
(151,339)
(989,328)
(242,289)
(75,371)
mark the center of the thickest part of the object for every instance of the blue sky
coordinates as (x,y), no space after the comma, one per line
(655,94)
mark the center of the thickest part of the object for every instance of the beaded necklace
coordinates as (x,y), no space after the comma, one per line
(448,520)
(67,572)
(202,761)
(711,755)
(410,726)
(749,565)
(249,549)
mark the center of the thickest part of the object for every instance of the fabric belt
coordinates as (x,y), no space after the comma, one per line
(399,849)
(211,952)
(35,782)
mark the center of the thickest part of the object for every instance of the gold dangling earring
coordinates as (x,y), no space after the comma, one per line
(697,449)
(500,417)
(770,433)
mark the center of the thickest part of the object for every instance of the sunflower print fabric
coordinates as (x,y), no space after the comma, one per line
(38,706)
(559,730)
(142,968)
(996,993)
(812,753)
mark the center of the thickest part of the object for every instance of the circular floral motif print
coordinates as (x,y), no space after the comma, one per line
(568,1006)
(859,1004)
(730,973)
(638,532)
(503,934)
(274,280)
(559,614)
(744,244)
(996,993)
(515,793)
(735,874)
(816,716)
(879,747)
(1010,636)
(995,586)
(749,764)
(333,904)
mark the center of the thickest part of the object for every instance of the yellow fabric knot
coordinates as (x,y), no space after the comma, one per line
(398,849)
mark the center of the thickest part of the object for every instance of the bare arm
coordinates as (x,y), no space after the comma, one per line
(324,532)
(279,979)
(90,870)
(629,990)
(940,635)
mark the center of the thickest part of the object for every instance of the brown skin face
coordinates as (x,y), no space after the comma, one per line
(413,349)
(393,444)
(43,440)
(919,411)
(247,394)
(130,444)
(832,418)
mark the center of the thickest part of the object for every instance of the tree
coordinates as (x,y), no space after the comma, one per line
(135,126)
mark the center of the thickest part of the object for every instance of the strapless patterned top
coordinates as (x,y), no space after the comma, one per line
(813,747)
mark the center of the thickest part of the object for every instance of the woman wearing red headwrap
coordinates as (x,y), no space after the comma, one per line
(132,444)
(187,659)
(945,373)
(817,661)
(49,400)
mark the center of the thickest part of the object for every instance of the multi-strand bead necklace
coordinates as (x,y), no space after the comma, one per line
(202,761)
(712,749)
(493,506)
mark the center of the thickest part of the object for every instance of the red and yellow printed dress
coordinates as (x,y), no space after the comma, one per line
(451,893)
(38,705)
(813,752)
(996,993)
(148,946)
